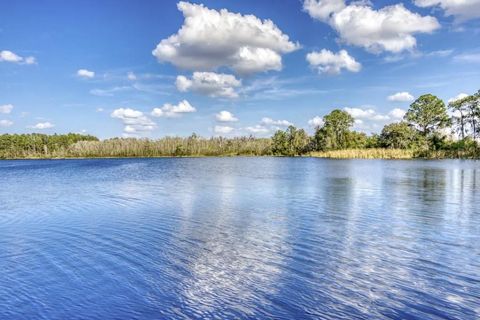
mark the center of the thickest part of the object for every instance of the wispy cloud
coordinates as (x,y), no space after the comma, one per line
(473,57)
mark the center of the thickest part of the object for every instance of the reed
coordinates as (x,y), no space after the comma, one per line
(373,153)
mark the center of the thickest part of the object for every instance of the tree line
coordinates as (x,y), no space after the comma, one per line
(425,131)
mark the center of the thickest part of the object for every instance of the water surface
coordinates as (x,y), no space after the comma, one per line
(239,238)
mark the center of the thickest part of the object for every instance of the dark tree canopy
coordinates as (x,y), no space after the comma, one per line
(334,133)
(428,114)
(398,136)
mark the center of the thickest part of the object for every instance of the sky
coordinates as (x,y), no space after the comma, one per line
(130,68)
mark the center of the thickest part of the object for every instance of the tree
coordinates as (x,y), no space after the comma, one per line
(428,114)
(398,136)
(460,111)
(474,113)
(280,143)
(297,140)
(334,133)
(466,114)
(290,142)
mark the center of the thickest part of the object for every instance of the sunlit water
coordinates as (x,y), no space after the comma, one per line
(223,238)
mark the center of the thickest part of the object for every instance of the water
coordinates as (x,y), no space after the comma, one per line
(227,238)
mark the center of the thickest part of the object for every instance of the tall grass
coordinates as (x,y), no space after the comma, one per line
(171,147)
(373,153)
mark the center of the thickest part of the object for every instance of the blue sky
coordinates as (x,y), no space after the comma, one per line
(94,66)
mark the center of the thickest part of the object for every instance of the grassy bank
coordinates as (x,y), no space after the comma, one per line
(373,153)
(74,146)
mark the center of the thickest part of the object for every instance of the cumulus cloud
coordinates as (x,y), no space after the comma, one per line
(225,116)
(170,111)
(328,62)
(134,121)
(401,97)
(461,9)
(369,120)
(368,114)
(223,129)
(391,28)
(5,123)
(210,84)
(458,97)
(209,39)
(257,129)
(42,125)
(279,123)
(316,122)
(9,56)
(6,108)
(84,73)
(397,114)
(268,125)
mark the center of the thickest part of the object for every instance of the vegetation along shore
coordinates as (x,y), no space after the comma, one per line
(430,129)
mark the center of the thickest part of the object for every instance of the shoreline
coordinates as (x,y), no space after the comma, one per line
(326,155)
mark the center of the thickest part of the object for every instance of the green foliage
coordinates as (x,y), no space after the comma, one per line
(418,136)
(280,143)
(334,133)
(398,136)
(172,146)
(290,142)
(428,114)
(38,145)
(466,115)
(360,140)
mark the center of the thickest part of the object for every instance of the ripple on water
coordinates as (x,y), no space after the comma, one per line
(239,238)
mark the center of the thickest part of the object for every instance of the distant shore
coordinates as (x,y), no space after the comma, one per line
(374,153)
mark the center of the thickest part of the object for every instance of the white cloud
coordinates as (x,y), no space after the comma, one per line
(42,126)
(6,108)
(368,114)
(461,9)
(401,97)
(328,62)
(99,110)
(280,123)
(391,28)
(257,129)
(223,129)
(170,111)
(131,76)
(369,120)
(268,125)
(468,57)
(458,97)
(210,84)
(5,123)
(84,73)
(134,121)
(110,92)
(9,56)
(225,116)
(397,114)
(209,39)
(30,60)
(316,122)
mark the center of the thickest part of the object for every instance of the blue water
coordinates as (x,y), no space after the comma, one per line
(291,238)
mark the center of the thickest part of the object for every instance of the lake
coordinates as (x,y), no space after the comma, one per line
(291,238)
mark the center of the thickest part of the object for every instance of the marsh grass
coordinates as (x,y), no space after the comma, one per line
(373,153)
